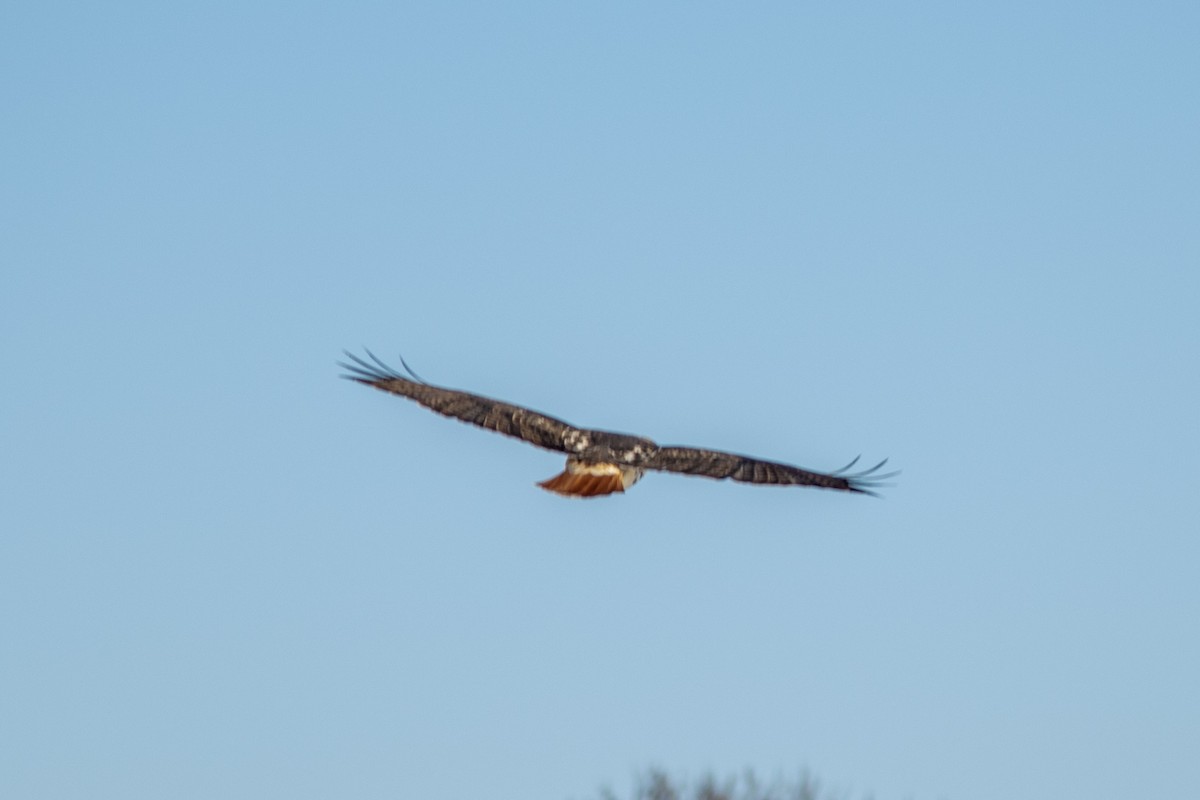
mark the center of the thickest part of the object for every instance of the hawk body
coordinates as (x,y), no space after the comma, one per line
(598,462)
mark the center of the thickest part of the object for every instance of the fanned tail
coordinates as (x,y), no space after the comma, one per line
(584,484)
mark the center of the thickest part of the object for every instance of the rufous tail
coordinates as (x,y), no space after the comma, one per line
(584,484)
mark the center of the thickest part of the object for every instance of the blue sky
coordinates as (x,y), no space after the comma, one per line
(959,235)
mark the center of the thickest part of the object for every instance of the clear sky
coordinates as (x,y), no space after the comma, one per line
(961,235)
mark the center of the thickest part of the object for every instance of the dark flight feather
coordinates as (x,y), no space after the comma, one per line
(523,423)
(718,464)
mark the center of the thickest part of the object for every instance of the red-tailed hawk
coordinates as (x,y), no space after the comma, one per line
(598,462)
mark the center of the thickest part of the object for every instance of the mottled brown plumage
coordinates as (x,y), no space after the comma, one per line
(598,462)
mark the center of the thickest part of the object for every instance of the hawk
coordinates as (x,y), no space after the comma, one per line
(598,462)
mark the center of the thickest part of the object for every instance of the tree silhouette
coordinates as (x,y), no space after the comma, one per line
(655,784)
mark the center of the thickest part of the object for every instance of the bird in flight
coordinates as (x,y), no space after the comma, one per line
(598,462)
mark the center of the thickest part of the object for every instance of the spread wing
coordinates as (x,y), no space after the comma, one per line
(521,423)
(716,464)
